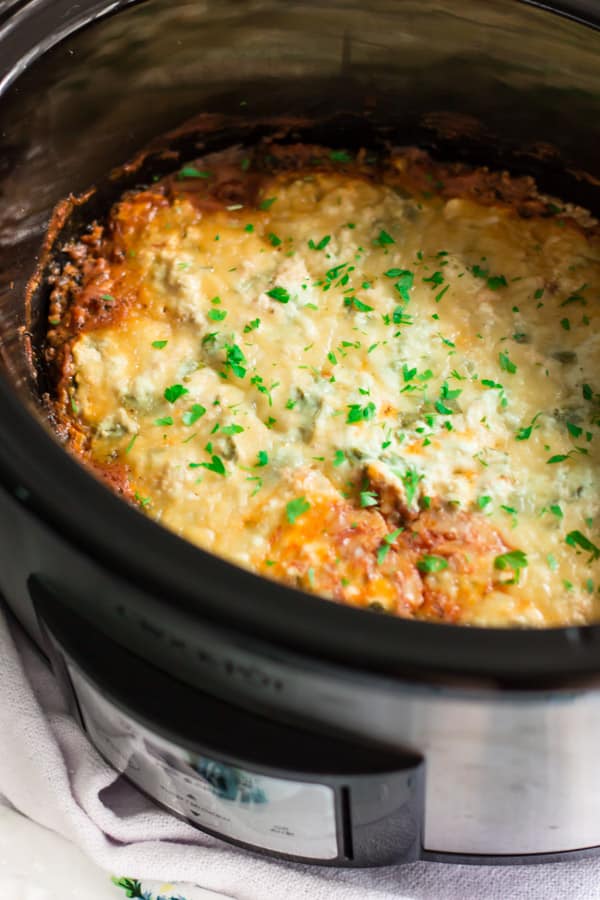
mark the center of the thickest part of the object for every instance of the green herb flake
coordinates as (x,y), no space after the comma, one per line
(577,539)
(383,239)
(279,293)
(405,283)
(385,546)
(574,430)
(251,326)
(192,415)
(231,429)
(506,364)
(129,446)
(192,172)
(434,280)
(515,560)
(274,240)
(321,244)
(357,304)
(174,392)
(495,282)
(357,413)
(340,156)
(217,315)
(166,420)
(159,345)
(368,498)
(215,465)
(339,458)
(431,564)
(483,501)
(267,203)
(263,459)
(249,228)
(236,360)
(296,508)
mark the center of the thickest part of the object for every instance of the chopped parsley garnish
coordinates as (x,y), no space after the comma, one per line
(523,434)
(279,293)
(217,315)
(383,239)
(274,240)
(193,172)
(515,560)
(430,564)
(483,501)
(108,298)
(434,280)
(231,429)
(263,459)
(235,360)
(357,304)
(267,203)
(193,414)
(495,282)
(174,392)
(322,243)
(448,394)
(251,326)
(215,465)
(368,498)
(249,228)
(166,420)
(588,394)
(129,446)
(357,413)
(574,430)
(296,508)
(339,458)
(506,364)
(410,479)
(340,156)
(558,458)
(577,539)
(159,345)
(576,297)
(405,282)
(385,546)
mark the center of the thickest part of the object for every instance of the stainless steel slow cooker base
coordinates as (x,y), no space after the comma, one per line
(498,729)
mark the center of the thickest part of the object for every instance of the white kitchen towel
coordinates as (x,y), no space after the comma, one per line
(51,773)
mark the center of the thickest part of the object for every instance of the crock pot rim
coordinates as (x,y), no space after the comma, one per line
(42,475)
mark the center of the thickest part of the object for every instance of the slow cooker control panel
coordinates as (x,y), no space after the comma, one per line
(265,785)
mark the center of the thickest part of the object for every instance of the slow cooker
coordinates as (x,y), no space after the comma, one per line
(278,721)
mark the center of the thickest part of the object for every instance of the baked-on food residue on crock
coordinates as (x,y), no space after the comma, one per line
(373,378)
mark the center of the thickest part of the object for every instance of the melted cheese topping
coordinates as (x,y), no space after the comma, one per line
(384,398)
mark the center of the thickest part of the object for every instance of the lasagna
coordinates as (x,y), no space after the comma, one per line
(370,377)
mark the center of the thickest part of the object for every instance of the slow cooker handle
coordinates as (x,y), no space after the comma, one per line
(256,782)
